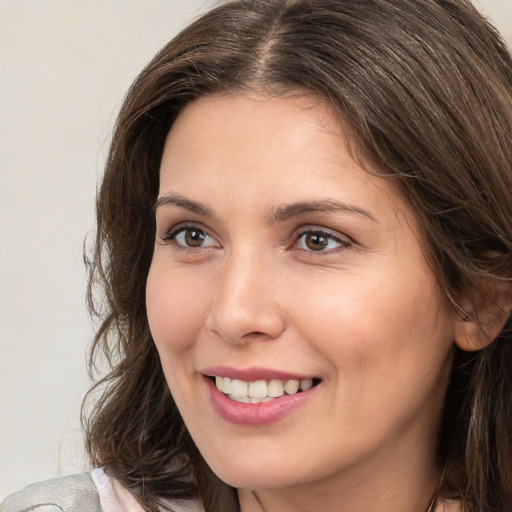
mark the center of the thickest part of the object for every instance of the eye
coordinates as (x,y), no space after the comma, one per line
(320,241)
(190,237)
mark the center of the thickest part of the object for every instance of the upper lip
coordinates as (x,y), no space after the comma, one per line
(252,374)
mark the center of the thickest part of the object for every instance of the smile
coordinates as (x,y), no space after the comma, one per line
(260,391)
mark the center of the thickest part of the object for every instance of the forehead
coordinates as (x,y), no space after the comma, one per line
(269,120)
(268,149)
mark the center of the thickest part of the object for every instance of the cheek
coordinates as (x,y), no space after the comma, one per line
(388,350)
(362,322)
(176,312)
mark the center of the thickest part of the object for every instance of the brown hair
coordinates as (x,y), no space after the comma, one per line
(426,87)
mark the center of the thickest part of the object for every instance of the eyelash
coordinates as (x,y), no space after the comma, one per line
(172,234)
(343,243)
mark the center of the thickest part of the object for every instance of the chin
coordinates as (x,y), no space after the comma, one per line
(260,475)
(255,480)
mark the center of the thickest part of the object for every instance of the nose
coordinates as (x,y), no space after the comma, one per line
(247,305)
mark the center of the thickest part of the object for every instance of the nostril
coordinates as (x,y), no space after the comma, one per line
(255,334)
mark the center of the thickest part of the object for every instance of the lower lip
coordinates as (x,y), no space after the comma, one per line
(263,413)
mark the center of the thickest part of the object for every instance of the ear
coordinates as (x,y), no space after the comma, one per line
(488,310)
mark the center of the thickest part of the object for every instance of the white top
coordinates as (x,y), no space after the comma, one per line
(115,498)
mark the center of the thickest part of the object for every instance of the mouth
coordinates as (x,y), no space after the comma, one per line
(261,391)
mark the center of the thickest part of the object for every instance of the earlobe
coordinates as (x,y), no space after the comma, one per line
(488,311)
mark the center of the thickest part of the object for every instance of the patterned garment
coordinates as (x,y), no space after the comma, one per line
(85,492)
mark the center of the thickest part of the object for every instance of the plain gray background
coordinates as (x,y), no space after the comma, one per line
(64,69)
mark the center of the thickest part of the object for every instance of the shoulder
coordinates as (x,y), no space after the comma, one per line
(85,492)
(74,493)
(115,498)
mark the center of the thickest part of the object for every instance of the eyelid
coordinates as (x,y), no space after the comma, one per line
(345,242)
(171,233)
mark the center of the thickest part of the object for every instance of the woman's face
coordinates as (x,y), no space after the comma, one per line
(296,280)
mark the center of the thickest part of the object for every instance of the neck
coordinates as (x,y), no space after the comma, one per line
(268,501)
(372,487)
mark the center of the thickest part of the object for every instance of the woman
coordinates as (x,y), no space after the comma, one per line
(304,238)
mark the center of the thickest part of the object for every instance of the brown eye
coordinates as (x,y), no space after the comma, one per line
(321,241)
(194,237)
(191,237)
(316,241)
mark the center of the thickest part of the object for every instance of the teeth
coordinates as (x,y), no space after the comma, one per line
(260,400)
(260,390)
(306,384)
(275,388)
(239,388)
(243,399)
(226,385)
(292,386)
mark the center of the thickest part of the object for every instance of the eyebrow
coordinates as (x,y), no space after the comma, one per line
(282,213)
(183,202)
(275,214)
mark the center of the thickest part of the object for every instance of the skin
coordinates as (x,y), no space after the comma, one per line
(361,310)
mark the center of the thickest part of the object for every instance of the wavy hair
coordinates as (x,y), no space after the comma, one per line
(426,87)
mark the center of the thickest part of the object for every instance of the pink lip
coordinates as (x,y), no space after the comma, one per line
(251,374)
(264,413)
